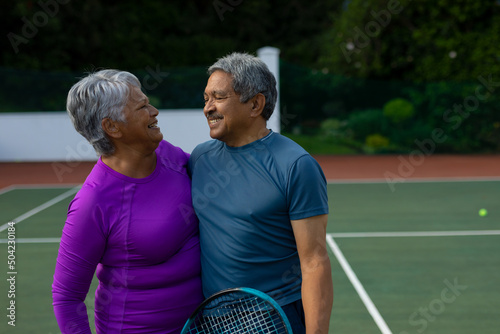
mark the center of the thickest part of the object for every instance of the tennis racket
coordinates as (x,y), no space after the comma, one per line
(238,310)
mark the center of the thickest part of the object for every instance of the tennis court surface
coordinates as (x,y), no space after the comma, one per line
(409,252)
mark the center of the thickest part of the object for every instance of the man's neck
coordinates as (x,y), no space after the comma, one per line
(248,138)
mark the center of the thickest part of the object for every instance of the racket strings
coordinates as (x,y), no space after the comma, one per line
(238,315)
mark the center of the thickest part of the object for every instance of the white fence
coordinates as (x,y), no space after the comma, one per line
(50,136)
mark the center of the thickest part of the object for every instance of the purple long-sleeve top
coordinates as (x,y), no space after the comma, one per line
(140,237)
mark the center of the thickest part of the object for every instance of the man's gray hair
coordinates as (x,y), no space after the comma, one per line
(100,95)
(250,77)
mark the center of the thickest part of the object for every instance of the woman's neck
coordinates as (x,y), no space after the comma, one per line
(132,165)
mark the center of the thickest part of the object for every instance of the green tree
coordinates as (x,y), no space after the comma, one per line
(424,40)
(81,35)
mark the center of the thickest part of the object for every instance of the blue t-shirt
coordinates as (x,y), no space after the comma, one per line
(245,198)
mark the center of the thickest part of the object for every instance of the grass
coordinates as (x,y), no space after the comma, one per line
(317,144)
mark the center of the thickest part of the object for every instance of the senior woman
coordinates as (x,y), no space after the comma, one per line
(131,223)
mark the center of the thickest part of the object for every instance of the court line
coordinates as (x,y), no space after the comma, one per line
(334,235)
(7,189)
(372,309)
(41,207)
(45,185)
(32,240)
(414,234)
(37,186)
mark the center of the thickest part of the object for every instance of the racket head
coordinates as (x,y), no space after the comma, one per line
(238,310)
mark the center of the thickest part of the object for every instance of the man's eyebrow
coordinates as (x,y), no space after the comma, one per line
(219,92)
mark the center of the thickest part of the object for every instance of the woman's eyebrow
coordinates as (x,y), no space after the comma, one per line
(140,102)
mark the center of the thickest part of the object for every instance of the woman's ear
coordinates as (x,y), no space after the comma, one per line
(111,128)
(258,103)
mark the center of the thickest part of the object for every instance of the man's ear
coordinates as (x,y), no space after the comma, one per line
(111,128)
(257,102)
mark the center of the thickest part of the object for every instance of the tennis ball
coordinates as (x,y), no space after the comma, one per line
(483,212)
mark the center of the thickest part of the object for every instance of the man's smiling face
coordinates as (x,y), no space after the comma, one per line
(227,117)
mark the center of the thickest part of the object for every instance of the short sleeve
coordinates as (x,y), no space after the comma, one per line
(306,192)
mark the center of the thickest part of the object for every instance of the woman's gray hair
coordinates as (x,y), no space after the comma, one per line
(251,76)
(100,95)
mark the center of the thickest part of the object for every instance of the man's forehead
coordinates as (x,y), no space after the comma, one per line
(219,83)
